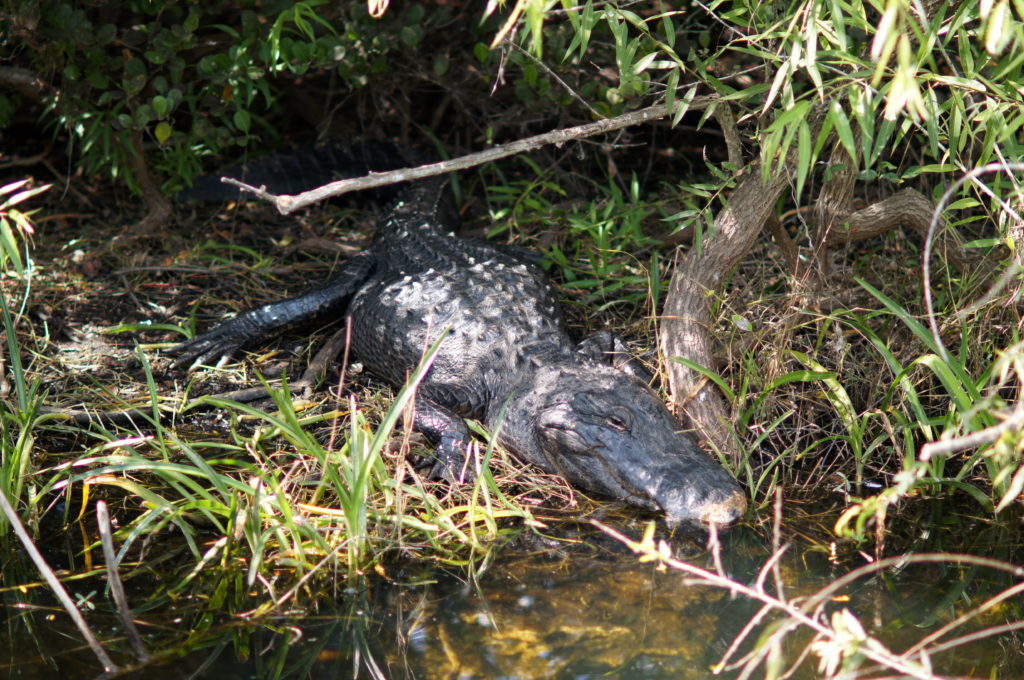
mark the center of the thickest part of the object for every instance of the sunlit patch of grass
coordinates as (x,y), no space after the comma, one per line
(287,508)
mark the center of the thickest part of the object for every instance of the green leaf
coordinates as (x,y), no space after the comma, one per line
(804,155)
(669,30)
(440,65)
(710,374)
(670,88)
(482,53)
(135,67)
(841,123)
(242,120)
(161,106)
(162,132)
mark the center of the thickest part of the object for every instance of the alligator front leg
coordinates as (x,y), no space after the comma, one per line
(221,343)
(450,436)
(606,347)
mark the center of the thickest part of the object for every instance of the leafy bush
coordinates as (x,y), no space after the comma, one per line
(187,79)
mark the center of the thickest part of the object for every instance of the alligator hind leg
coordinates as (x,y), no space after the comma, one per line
(605,347)
(221,343)
(450,436)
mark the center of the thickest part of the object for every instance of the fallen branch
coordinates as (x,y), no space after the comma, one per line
(288,204)
(686,324)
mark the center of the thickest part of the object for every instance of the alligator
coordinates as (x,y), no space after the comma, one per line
(581,410)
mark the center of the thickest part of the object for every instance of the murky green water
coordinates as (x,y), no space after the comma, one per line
(578,608)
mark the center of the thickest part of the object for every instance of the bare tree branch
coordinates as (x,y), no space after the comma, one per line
(26,83)
(289,204)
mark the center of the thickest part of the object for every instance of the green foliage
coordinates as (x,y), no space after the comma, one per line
(879,75)
(973,401)
(908,97)
(16,225)
(187,79)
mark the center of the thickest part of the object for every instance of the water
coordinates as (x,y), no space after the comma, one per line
(580,607)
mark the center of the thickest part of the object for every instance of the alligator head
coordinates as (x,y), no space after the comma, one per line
(607,432)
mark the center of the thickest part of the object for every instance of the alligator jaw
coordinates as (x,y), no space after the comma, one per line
(721,514)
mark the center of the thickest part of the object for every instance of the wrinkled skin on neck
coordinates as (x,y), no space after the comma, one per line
(608,433)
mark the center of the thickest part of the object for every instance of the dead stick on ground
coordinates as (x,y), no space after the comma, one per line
(55,585)
(317,368)
(114,581)
(288,204)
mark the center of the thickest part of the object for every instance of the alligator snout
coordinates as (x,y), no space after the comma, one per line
(726,512)
(723,505)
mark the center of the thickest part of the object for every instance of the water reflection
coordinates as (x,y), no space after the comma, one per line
(608,618)
(583,608)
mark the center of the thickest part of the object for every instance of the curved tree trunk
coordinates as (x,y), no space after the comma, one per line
(686,323)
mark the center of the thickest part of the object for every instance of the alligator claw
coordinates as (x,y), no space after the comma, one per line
(221,344)
(443,471)
(450,462)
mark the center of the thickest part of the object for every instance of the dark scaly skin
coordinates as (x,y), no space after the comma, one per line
(576,410)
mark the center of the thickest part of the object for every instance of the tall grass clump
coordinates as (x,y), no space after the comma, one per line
(293,518)
(21,394)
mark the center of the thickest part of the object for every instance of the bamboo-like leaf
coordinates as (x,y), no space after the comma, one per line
(10,246)
(837,116)
(998,31)
(781,78)
(12,187)
(644,62)
(710,374)
(885,35)
(1013,490)
(805,150)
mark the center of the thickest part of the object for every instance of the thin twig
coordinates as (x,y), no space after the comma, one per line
(28,160)
(56,586)
(964,618)
(114,581)
(125,418)
(933,227)
(317,368)
(715,548)
(902,560)
(288,204)
(971,441)
(247,394)
(544,67)
(777,547)
(991,631)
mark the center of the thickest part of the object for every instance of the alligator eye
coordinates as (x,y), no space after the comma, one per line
(617,424)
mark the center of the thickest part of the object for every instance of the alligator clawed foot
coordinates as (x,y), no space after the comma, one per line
(442,470)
